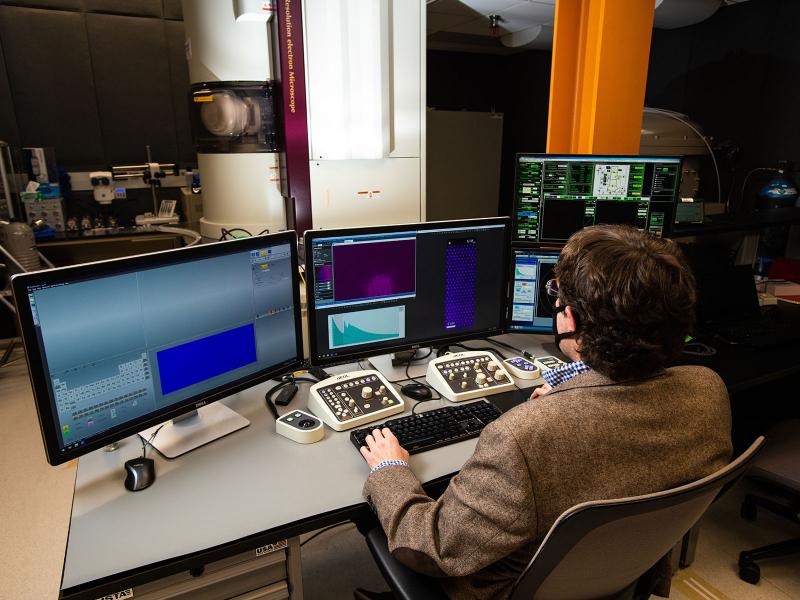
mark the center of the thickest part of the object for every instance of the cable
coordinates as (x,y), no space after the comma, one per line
(524,353)
(701,349)
(229,232)
(408,377)
(484,348)
(677,117)
(746,177)
(181,231)
(270,394)
(263,231)
(149,442)
(323,530)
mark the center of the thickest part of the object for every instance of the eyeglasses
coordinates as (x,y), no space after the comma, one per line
(552,287)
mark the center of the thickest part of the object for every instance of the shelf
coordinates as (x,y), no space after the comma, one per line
(758,219)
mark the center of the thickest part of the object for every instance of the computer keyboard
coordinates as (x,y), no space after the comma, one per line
(435,428)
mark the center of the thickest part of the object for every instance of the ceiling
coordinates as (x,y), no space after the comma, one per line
(528,24)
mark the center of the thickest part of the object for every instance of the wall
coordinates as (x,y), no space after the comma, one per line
(736,74)
(95,79)
(516,85)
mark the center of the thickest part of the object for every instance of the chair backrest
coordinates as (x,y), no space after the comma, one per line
(598,549)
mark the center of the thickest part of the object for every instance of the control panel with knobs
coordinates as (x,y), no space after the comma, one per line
(467,375)
(354,399)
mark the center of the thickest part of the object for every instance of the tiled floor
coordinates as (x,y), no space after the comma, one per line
(337,561)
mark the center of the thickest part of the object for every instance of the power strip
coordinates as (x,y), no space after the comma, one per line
(466,375)
(353,399)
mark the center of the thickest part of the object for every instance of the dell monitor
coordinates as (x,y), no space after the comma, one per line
(530,309)
(557,195)
(118,346)
(375,290)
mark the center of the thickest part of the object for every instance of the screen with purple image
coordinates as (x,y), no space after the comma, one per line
(379,269)
(460,277)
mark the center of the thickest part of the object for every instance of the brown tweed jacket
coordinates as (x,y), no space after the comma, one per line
(589,439)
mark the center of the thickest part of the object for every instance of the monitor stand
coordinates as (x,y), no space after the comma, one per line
(383,364)
(194,429)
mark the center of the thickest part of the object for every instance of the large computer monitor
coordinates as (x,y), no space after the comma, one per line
(117,346)
(556,195)
(373,290)
(529,308)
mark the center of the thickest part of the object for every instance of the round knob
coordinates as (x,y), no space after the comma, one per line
(492,366)
(463,384)
(366,392)
(352,403)
(477,367)
(382,390)
(451,376)
(499,375)
(480,378)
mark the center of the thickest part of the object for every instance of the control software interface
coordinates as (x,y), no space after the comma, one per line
(393,289)
(119,347)
(558,195)
(531,308)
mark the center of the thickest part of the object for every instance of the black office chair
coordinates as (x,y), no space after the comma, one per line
(594,550)
(778,466)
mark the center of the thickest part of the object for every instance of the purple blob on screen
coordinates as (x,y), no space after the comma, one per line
(374,270)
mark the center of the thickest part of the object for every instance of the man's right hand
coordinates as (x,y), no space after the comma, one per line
(540,391)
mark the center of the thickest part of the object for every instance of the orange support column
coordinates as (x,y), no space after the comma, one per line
(601,49)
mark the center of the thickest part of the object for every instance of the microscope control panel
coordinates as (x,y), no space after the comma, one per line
(353,399)
(467,375)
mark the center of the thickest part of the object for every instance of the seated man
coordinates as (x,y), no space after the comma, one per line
(615,422)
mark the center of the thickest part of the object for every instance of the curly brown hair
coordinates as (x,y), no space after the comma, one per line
(633,296)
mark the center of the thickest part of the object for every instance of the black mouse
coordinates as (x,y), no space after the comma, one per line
(416,391)
(141,473)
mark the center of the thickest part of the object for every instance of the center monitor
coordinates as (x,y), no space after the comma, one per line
(117,346)
(373,290)
(555,195)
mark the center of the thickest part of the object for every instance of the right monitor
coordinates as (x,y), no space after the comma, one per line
(530,308)
(556,195)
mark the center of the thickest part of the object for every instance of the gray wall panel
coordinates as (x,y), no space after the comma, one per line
(179,75)
(173,9)
(65,4)
(8,120)
(144,8)
(133,87)
(49,70)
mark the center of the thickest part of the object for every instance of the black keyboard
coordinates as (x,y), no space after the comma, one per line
(435,428)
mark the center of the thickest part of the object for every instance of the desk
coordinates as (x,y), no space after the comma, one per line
(243,491)
(240,492)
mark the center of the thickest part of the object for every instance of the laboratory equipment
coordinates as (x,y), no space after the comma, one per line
(375,290)
(530,308)
(522,368)
(467,375)
(556,195)
(355,398)
(120,346)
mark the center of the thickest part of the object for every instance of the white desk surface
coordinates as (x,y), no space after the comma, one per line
(246,483)
(35,498)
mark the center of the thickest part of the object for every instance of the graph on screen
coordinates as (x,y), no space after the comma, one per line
(366,326)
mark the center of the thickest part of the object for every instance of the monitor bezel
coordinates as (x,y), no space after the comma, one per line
(510,308)
(36,371)
(348,357)
(545,156)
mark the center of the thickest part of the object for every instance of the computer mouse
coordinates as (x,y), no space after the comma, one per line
(141,473)
(416,391)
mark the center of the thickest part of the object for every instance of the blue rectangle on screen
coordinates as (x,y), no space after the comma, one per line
(202,359)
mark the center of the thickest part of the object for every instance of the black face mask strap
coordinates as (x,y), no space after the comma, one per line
(559,337)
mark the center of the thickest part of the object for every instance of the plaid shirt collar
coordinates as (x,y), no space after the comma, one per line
(565,372)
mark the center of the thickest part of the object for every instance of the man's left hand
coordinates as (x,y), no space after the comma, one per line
(382,445)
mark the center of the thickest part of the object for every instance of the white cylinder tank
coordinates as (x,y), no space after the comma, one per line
(240,189)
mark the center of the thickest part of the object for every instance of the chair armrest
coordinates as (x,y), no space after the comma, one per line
(405,583)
